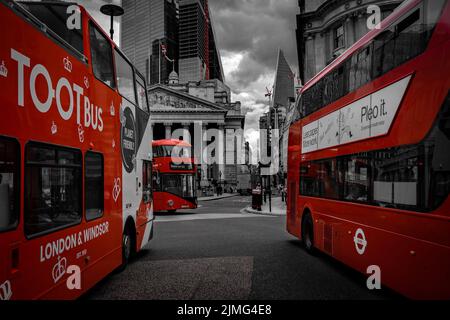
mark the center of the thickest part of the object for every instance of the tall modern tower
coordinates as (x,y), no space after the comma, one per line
(146,25)
(283,87)
(199,57)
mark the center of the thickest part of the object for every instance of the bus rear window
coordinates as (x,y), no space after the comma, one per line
(55,16)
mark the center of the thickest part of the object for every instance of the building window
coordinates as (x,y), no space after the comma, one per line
(339,37)
(53,197)
(101,52)
(93,185)
(9,183)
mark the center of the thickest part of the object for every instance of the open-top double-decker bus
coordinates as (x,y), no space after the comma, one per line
(75,153)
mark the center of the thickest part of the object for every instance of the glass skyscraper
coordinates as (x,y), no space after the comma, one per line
(146,25)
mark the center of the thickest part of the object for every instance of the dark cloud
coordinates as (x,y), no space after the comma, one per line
(255,29)
(258,27)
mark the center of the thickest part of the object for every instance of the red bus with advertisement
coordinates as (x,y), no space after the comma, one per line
(75,153)
(174,176)
(369,160)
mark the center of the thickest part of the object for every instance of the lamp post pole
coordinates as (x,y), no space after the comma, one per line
(112,10)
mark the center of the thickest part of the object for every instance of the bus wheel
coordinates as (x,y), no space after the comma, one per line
(308,232)
(126,248)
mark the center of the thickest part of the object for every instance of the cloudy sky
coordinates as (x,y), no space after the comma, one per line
(248,33)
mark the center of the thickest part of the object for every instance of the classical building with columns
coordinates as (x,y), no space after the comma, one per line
(325,28)
(202,114)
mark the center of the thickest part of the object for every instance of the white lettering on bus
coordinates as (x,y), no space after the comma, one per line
(58,247)
(92,113)
(95,232)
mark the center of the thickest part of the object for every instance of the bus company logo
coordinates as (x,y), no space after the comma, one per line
(3,70)
(39,83)
(59,269)
(128,136)
(116,189)
(54,128)
(67,64)
(5,290)
(81,133)
(360,241)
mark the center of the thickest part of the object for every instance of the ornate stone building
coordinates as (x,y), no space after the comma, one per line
(187,112)
(326,28)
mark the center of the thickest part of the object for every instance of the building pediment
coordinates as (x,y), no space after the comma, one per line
(165,99)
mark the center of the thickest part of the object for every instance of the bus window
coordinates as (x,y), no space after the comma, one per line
(53,197)
(93,185)
(147,182)
(9,183)
(101,53)
(141,93)
(178,184)
(125,79)
(354,170)
(54,16)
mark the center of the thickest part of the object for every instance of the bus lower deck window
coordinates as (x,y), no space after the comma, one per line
(9,183)
(53,198)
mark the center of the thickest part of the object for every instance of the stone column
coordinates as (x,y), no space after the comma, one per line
(186,134)
(203,162)
(168,127)
(221,150)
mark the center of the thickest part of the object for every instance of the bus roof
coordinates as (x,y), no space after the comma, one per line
(366,39)
(170,142)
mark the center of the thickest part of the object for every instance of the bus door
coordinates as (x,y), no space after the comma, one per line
(145,212)
(10,234)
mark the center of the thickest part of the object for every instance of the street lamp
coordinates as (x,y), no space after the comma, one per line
(112,10)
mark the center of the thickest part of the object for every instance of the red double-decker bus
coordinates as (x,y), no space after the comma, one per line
(174,176)
(75,153)
(369,159)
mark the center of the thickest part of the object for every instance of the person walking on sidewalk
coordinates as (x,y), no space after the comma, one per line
(283,193)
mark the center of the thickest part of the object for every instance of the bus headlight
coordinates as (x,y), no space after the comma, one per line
(170,203)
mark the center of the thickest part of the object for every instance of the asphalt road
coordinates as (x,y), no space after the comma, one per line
(217,252)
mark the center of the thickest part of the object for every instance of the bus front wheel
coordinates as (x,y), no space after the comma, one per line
(308,232)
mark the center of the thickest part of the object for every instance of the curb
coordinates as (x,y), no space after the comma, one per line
(264,213)
(218,198)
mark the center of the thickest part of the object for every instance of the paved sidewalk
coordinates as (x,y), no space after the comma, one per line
(278,208)
(215,197)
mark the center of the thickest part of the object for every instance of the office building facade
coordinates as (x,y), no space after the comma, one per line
(146,25)
(199,57)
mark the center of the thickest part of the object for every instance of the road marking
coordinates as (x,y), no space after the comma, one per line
(206,216)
